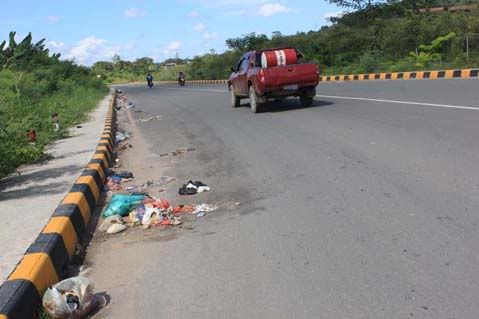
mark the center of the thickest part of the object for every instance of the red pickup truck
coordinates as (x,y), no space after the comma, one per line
(273,74)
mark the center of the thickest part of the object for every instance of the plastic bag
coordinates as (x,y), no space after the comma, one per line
(151,216)
(122,204)
(70,298)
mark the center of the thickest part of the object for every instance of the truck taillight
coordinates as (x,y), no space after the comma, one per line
(261,75)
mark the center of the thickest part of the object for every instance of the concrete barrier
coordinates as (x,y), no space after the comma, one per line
(412,75)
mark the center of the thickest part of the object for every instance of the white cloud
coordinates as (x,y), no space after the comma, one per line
(92,49)
(133,13)
(210,36)
(193,14)
(175,45)
(85,49)
(172,48)
(270,9)
(199,27)
(53,18)
(54,45)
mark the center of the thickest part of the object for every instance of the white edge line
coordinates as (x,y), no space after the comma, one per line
(400,102)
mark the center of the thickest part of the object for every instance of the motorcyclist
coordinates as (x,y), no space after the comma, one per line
(149,79)
(181,78)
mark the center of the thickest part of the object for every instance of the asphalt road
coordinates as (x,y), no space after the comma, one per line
(362,206)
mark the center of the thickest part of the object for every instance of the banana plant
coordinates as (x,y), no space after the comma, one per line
(24,52)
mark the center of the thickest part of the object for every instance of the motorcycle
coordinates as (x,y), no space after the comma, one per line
(181,81)
(150,84)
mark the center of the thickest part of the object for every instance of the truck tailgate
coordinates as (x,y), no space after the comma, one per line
(291,74)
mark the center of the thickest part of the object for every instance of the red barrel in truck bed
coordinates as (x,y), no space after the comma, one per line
(278,58)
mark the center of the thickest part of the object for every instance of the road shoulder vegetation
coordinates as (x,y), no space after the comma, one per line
(41,96)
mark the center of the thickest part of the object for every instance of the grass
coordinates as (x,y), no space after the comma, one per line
(27,102)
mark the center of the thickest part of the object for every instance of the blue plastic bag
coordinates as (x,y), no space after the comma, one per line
(122,204)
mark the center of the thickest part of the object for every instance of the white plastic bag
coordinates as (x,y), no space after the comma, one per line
(71,298)
(151,215)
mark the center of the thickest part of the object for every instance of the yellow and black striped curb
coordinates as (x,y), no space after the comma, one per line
(413,75)
(46,260)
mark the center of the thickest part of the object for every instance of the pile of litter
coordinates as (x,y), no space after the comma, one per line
(122,101)
(125,211)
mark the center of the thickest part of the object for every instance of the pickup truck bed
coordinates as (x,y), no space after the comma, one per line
(279,77)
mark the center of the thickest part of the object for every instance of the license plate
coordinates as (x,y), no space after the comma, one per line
(291,87)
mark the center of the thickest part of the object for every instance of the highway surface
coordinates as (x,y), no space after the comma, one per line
(365,205)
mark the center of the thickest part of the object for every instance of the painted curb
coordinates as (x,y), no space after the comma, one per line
(46,260)
(413,75)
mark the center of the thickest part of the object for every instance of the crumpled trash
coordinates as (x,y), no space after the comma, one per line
(181,151)
(107,222)
(192,188)
(198,210)
(124,174)
(181,209)
(116,228)
(122,204)
(125,146)
(201,210)
(150,118)
(158,203)
(112,225)
(121,136)
(112,184)
(114,180)
(205,208)
(160,182)
(203,189)
(152,215)
(70,298)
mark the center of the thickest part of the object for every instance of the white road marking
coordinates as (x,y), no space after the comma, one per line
(400,102)
(474,108)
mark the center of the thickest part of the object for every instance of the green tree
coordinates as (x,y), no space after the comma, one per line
(247,42)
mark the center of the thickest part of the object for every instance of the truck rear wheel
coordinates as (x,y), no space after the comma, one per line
(306,101)
(253,100)
(235,100)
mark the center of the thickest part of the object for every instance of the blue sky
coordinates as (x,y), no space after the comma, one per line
(89,31)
